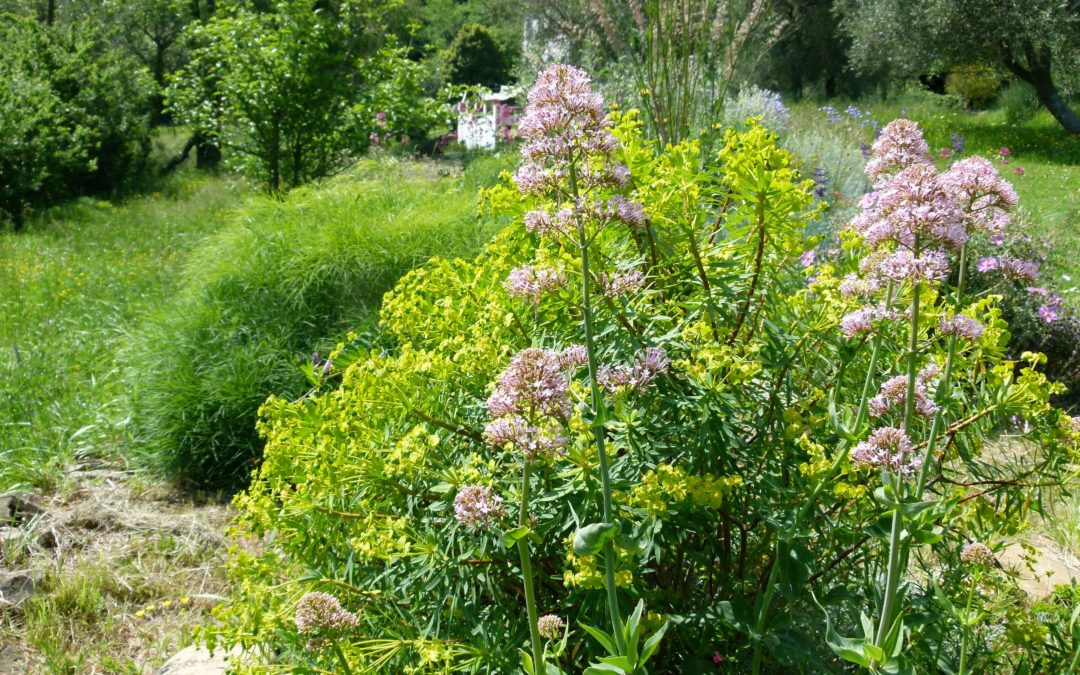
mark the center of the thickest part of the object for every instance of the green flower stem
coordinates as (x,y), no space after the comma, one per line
(892,579)
(598,435)
(964,625)
(895,568)
(598,427)
(834,468)
(943,388)
(527,575)
(871,370)
(763,612)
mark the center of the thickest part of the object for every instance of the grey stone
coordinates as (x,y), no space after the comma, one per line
(16,509)
(17,587)
(198,661)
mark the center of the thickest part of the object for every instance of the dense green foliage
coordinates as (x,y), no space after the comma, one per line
(1038,41)
(74,281)
(740,514)
(293,91)
(72,116)
(283,279)
(975,84)
(476,57)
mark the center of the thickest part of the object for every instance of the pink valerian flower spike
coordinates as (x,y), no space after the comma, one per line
(889,449)
(477,506)
(900,145)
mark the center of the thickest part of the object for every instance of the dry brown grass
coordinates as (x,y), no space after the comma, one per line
(127,569)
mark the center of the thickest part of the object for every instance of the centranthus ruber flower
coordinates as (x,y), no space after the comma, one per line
(477,506)
(532,283)
(889,449)
(318,611)
(900,145)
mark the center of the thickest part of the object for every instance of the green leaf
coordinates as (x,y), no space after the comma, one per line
(527,662)
(623,663)
(605,639)
(511,537)
(590,539)
(652,643)
(602,669)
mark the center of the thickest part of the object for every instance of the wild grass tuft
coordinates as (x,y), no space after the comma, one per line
(284,279)
(69,283)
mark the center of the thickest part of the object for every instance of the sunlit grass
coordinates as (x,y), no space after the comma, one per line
(69,284)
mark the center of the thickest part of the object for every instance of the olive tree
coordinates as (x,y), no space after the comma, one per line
(1038,41)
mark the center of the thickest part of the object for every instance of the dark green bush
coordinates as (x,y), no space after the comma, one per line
(1019,102)
(975,84)
(476,57)
(73,116)
(284,279)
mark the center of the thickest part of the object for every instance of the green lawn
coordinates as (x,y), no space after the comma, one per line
(69,286)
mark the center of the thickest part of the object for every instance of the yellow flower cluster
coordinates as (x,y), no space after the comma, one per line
(586,571)
(669,485)
(381,537)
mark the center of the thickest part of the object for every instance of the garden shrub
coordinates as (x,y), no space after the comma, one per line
(284,279)
(72,116)
(476,57)
(1020,103)
(1039,319)
(645,391)
(975,84)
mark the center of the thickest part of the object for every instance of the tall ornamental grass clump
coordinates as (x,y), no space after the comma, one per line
(651,427)
(286,278)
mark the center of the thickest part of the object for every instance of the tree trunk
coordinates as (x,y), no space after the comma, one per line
(50,13)
(273,158)
(207,155)
(1058,107)
(1039,75)
(157,101)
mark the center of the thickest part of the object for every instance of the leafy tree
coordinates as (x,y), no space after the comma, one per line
(268,84)
(1038,41)
(151,30)
(72,115)
(476,57)
(293,87)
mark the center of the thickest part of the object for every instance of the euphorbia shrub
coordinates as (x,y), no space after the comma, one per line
(645,407)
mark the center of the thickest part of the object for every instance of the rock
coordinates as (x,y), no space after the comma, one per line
(15,509)
(17,587)
(12,661)
(198,661)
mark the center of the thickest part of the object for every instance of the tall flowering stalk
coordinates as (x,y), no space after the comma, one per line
(529,406)
(915,222)
(569,158)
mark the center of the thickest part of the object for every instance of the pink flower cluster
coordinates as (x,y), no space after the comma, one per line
(322,611)
(531,284)
(899,145)
(567,138)
(893,394)
(564,121)
(963,327)
(1012,268)
(636,377)
(620,283)
(889,449)
(863,321)
(477,506)
(530,401)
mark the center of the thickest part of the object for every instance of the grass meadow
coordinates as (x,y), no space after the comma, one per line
(71,285)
